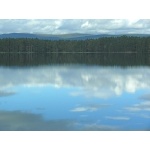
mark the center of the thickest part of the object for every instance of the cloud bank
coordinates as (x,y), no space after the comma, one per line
(66,26)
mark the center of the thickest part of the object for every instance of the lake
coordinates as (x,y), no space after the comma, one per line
(81,94)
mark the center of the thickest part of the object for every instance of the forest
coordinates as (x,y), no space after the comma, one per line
(123,44)
(108,51)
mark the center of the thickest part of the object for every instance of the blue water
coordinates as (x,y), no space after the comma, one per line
(74,97)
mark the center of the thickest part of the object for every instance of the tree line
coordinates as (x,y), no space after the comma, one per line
(123,44)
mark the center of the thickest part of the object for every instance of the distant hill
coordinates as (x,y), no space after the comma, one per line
(75,36)
(27,35)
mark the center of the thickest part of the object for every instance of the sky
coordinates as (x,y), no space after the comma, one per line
(67,26)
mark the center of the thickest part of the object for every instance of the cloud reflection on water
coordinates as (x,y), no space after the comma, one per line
(118,118)
(140,106)
(87,81)
(92,81)
(89,108)
(6,93)
(22,121)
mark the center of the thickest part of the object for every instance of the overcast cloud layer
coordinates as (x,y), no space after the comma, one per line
(65,26)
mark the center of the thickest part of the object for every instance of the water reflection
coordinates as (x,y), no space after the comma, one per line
(103,59)
(74,97)
(6,93)
(18,121)
(90,81)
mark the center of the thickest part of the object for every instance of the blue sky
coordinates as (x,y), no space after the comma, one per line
(65,26)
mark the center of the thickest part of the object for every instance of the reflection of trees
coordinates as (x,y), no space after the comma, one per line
(90,59)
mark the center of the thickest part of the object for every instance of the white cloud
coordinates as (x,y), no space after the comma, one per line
(61,26)
(90,107)
(118,118)
(145,116)
(29,26)
(143,106)
(132,21)
(81,109)
(100,127)
(86,25)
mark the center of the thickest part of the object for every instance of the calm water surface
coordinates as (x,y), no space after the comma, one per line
(74,97)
